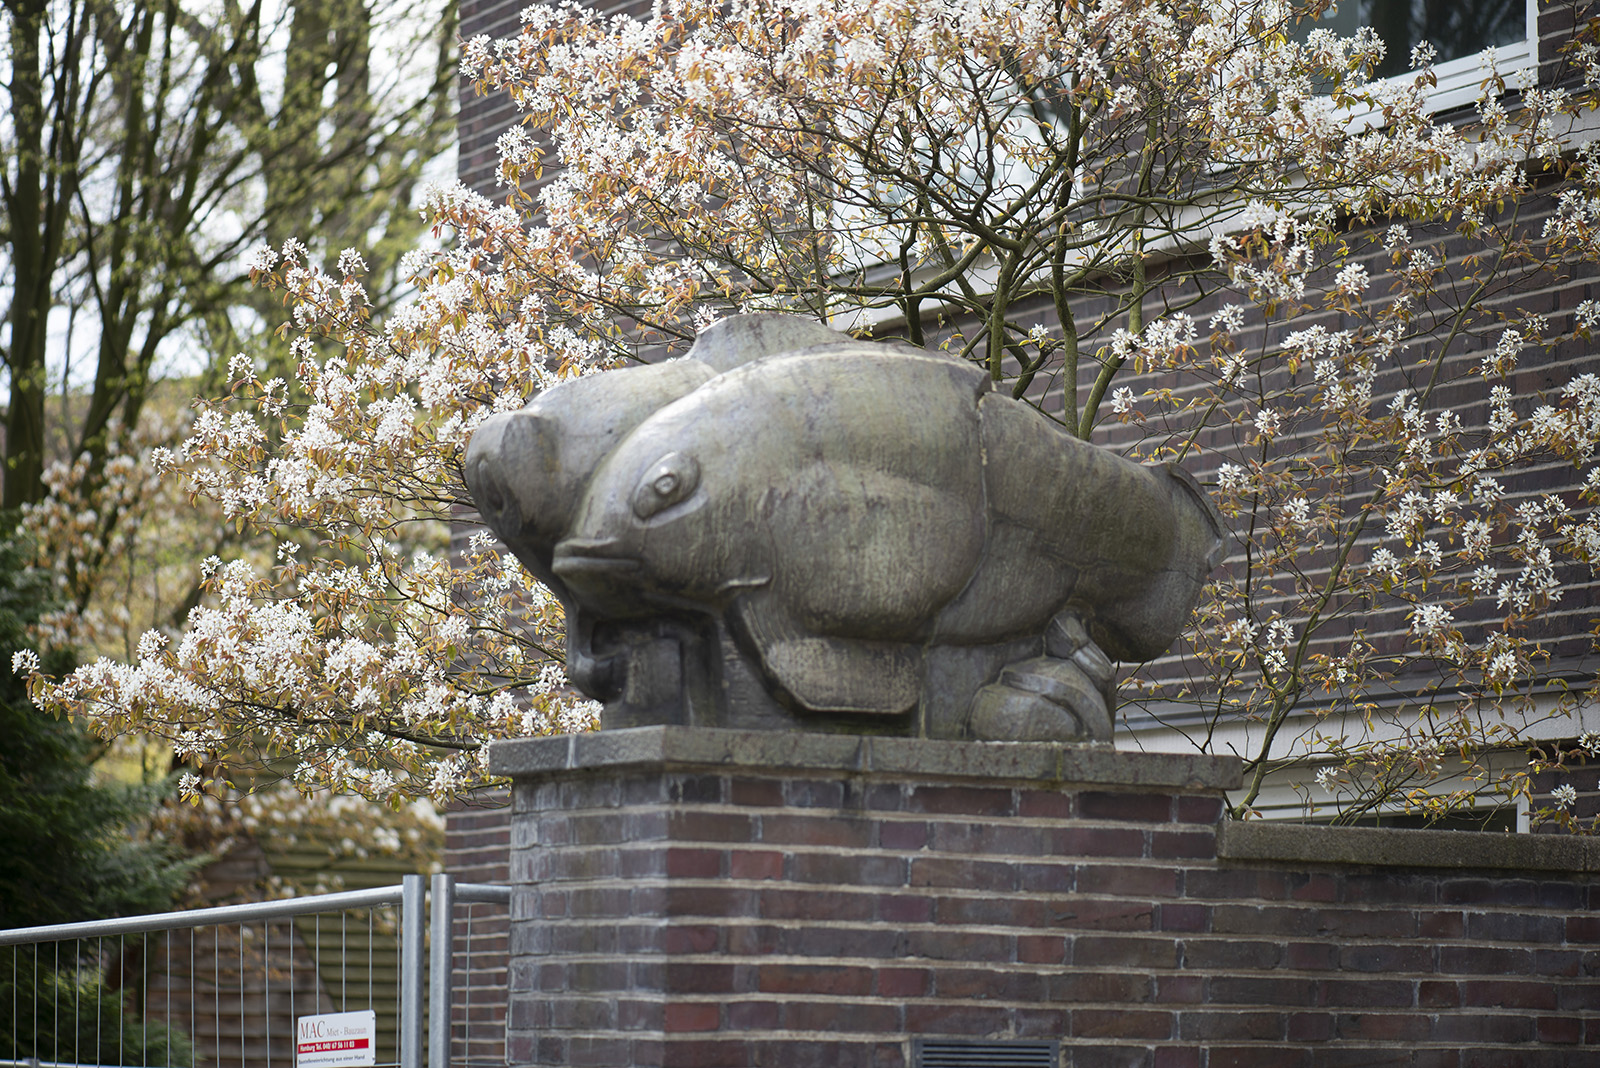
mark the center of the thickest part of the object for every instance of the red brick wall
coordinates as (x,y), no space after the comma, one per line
(749,915)
(478,850)
(477,838)
(484,118)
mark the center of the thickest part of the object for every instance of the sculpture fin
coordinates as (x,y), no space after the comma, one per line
(823,674)
(742,339)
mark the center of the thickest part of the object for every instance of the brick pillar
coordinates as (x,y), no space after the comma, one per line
(705,897)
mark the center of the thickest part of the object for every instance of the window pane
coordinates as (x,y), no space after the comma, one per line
(1456,28)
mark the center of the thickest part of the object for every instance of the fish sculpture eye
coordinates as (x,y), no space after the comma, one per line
(670,480)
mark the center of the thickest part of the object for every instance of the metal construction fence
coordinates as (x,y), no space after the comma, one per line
(224,987)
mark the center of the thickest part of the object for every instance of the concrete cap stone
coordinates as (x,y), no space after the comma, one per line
(782,751)
(1406,848)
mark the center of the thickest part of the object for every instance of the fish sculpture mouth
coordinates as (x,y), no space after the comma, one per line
(594,565)
(577,560)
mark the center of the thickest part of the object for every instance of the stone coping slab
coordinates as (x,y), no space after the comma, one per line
(857,754)
(1402,848)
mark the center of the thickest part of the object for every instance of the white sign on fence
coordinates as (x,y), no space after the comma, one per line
(337,1040)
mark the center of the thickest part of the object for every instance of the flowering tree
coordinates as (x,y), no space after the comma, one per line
(1187,230)
(149,147)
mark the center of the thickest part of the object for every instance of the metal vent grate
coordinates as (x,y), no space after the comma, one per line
(938,1053)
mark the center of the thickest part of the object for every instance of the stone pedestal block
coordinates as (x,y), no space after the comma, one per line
(722,899)
(705,897)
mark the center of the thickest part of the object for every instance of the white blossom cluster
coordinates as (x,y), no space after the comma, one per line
(91,515)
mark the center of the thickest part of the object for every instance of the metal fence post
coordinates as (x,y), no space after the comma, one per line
(413,923)
(439,1001)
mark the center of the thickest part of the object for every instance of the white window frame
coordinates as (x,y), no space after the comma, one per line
(1461,80)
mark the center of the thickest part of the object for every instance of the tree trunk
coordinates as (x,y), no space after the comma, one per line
(32,264)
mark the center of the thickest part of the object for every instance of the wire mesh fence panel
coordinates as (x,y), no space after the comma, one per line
(87,1001)
(230,987)
(480,956)
(358,966)
(174,991)
(221,996)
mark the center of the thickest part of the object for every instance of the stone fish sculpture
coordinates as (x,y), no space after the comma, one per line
(789,527)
